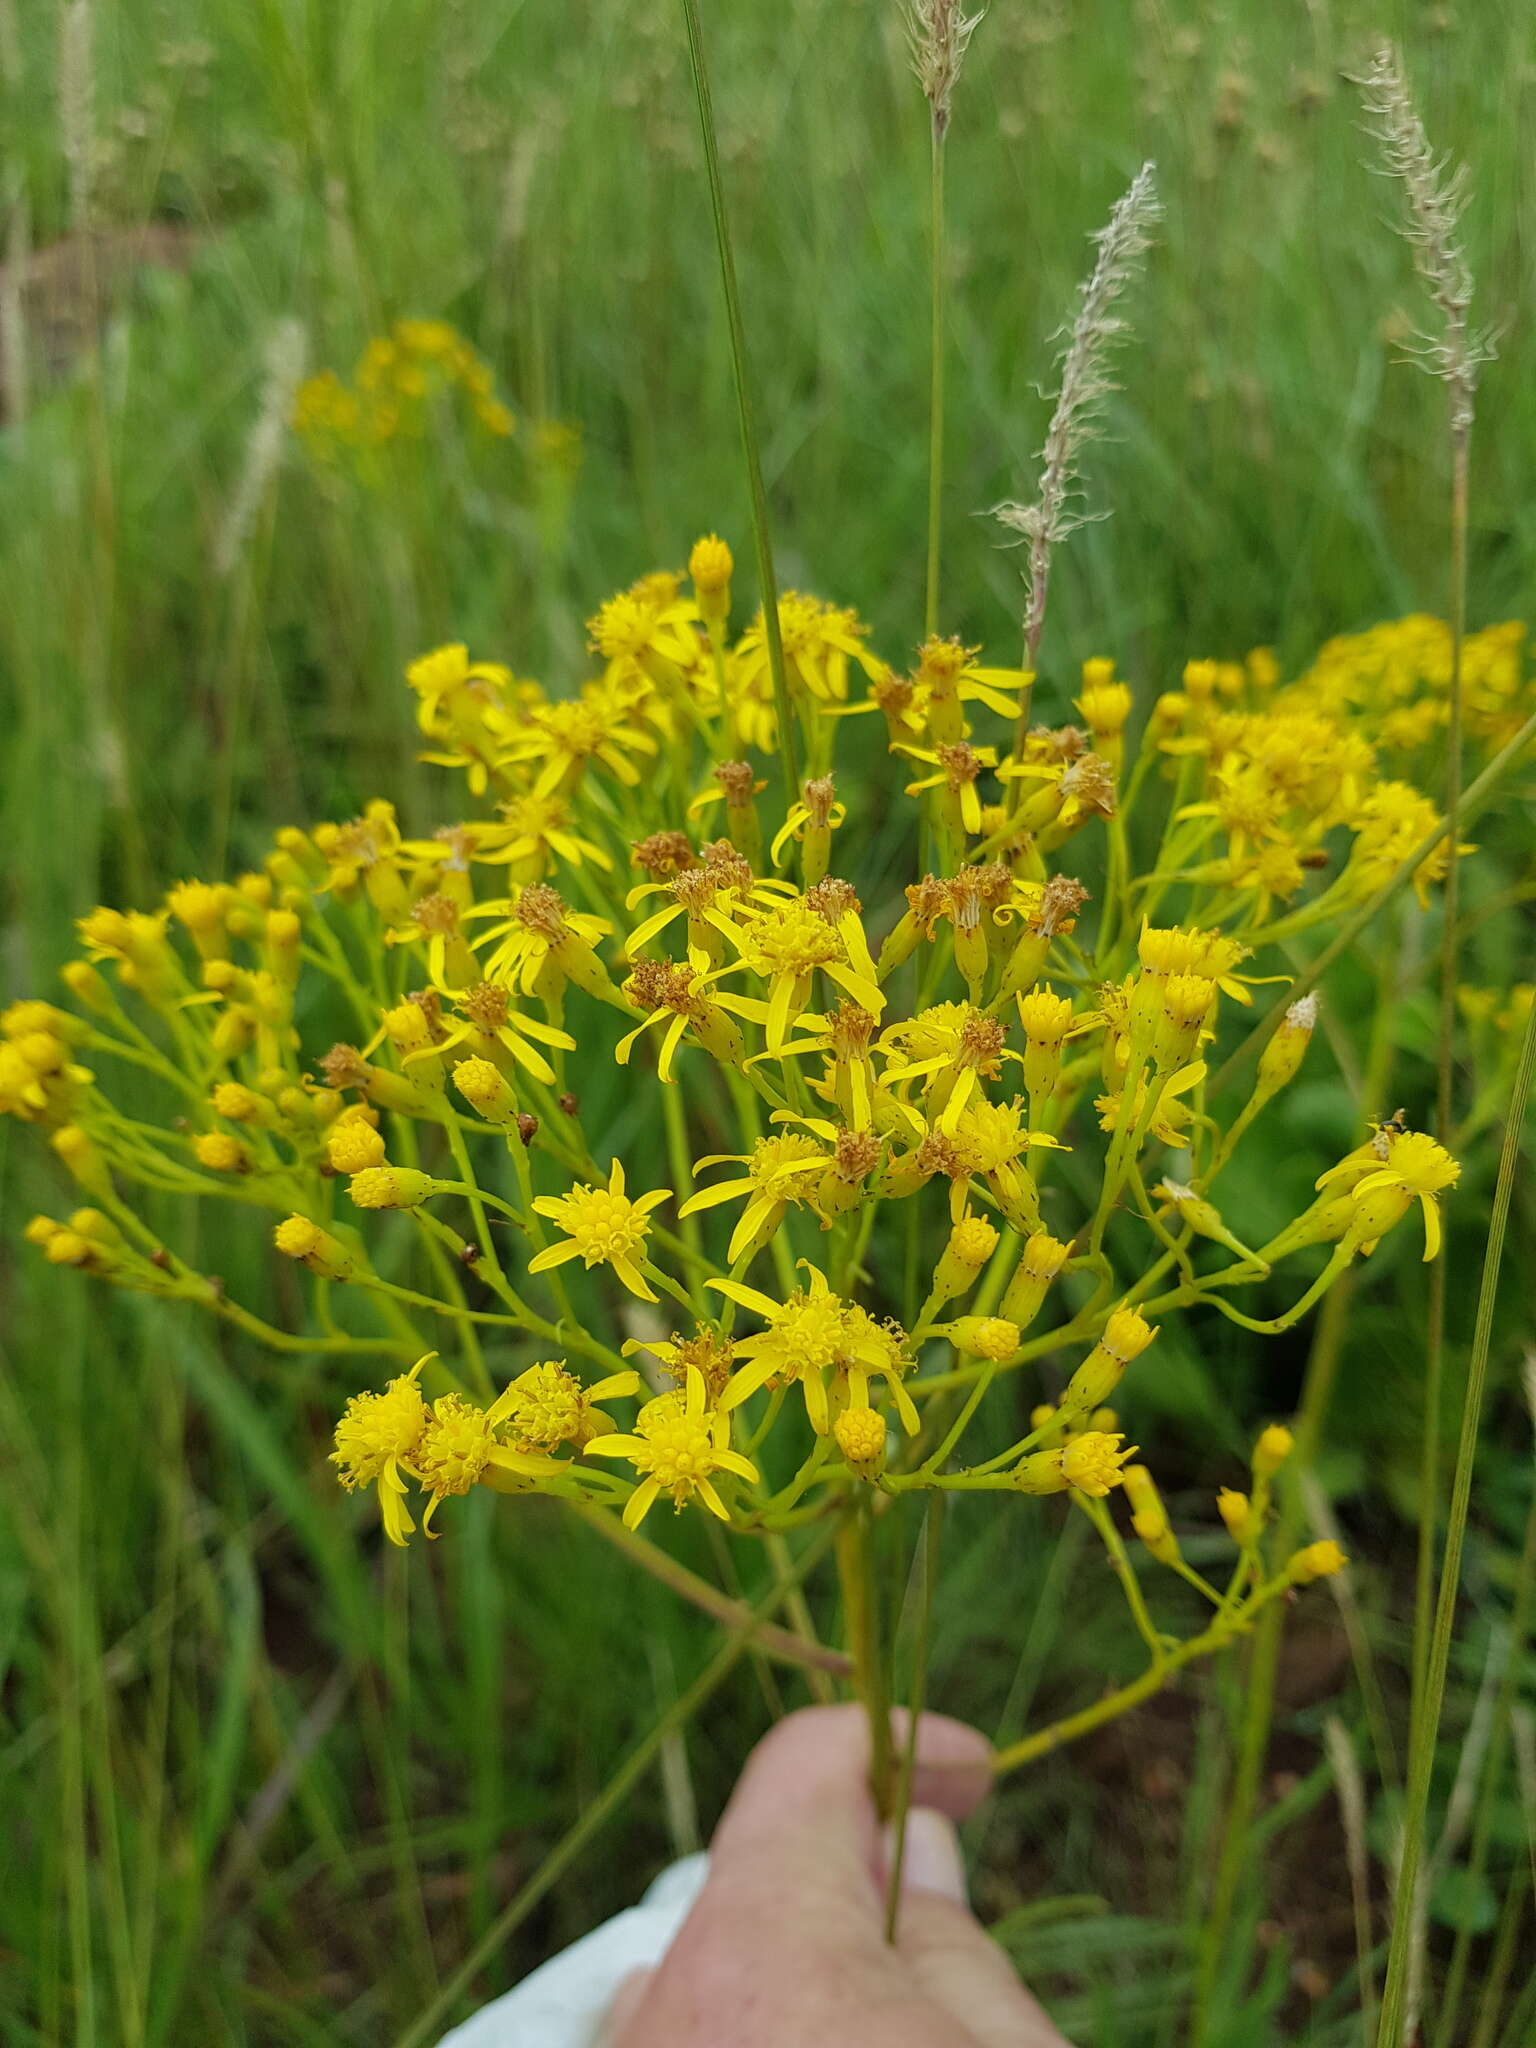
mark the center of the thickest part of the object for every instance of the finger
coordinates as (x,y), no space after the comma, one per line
(962,1971)
(787,1934)
(808,1781)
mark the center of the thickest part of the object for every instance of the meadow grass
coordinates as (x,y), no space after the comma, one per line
(283,1785)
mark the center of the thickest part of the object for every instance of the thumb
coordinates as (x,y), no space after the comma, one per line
(944,1947)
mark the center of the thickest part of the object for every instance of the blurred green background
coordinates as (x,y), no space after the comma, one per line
(278,1784)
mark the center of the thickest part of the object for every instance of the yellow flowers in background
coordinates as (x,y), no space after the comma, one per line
(399,379)
(949,1027)
(410,387)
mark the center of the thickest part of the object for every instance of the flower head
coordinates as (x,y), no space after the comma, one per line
(603,1227)
(375,1439)
(678,1445)
(1386,1176)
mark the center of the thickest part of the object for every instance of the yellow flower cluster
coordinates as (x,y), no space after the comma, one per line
(938,1123)
(399,379)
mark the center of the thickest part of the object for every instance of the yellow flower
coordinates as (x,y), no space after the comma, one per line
(1387,1175)
(564,739)
(445,678)
(814,1333)
(603,1227)
(541,943)
(1090,1464)
(686,998)
(459,1446)
(990,1141)
(956,769)
(1317,1561)
(534,830)
(678,1445)
(786,946)
(819,641)
(952,1048)
(375,1438)
(490,1025)
(547,1406)
(780,1170)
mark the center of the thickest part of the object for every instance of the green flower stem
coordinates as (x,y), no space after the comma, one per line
(1098,1513)
(782,1643)
(962,1421)
(933,1529)
(861,1613)
(1221,1632)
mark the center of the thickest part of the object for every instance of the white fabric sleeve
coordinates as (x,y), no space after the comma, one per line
(563,2003)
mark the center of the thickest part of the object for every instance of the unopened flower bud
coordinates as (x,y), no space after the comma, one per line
(300,1239)
(1187,1004)
(85,1163)
(1274,1446)
(486,1089)
(1317,1561)
(972,1242)
(1149,1517)
(241,1105)
(1236,1510)
(992,1337)
(391,1187)
(1126,1336)
(221,1153)
(1287,1048)
(68,1248)
(1040,1261)
(710,565)
(352,1146)
(87,985)
(860,1436)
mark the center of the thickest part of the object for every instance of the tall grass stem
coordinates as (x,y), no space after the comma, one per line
(1426,1722)
(762,541)
(936,259)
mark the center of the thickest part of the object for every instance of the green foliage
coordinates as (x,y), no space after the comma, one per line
(280,1783)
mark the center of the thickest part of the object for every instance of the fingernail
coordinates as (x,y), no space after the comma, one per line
(932,1861)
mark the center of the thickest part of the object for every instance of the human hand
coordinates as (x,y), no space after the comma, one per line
(786,1947)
